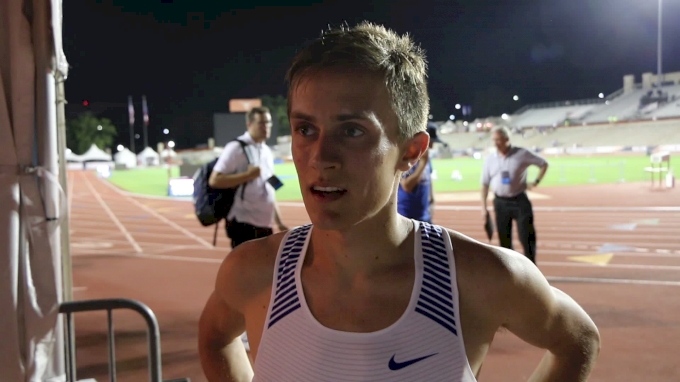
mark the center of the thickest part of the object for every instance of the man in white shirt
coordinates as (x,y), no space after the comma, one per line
(254,206)
(505,172)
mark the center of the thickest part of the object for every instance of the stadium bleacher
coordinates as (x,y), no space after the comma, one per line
(620,108)
(550,116)
(669,109)
(637,115)
(629,107)
(639,133)
(637,102)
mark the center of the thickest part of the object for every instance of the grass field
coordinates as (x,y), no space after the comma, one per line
(563,171)
(145,181)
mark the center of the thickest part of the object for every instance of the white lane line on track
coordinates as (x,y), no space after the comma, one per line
(159,216)
(612,281)
(617,266)
(113,217)
(557,252)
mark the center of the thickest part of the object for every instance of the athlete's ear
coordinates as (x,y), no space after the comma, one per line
(414,148)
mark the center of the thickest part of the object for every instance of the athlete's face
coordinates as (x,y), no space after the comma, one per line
(345,147)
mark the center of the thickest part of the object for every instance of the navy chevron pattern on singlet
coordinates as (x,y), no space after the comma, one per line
(286,299)
(435,301)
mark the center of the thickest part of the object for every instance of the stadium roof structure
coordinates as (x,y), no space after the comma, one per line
(633,102)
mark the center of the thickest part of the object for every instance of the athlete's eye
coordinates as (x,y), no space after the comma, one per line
(303,129)
(353,131)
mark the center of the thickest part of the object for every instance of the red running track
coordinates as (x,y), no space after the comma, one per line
(154,251)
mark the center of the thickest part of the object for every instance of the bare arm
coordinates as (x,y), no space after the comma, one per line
(549,319)
(410,182)
(485,195)
(220,181)
(541,163)
(486,180)
(222,353)
(541,174)
(573,347)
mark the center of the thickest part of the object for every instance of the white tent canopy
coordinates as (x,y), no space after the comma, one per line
(126,158)
(72,157)
(94,153)
(148,157)
(31,64)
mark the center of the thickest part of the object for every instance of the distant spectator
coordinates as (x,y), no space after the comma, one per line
(505,172)
(252,215)
(415,198)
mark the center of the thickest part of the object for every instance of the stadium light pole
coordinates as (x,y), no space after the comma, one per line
(658,58)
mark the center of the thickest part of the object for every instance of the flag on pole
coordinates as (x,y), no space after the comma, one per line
(131,111)
(145,110)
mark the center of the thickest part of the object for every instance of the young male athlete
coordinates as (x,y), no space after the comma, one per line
(365,294)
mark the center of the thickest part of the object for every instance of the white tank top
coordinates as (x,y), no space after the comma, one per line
(424,344)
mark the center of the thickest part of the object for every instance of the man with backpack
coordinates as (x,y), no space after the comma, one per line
(247,165)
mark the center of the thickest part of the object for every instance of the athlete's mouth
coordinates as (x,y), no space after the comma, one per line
(327,192)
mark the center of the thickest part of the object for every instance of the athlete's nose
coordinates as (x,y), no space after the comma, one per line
(325,153)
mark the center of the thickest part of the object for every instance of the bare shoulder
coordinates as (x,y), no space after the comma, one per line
(481,260)
(248,270)
(503,288)
(495,278)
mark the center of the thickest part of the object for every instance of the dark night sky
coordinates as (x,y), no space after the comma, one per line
(190,57)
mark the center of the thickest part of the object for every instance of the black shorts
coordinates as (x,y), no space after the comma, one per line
(239,232)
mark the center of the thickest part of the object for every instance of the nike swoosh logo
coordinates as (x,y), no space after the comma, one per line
(394,365)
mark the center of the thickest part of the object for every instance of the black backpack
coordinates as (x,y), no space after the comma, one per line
(211,204)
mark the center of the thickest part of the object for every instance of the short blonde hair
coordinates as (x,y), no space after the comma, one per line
(376,49)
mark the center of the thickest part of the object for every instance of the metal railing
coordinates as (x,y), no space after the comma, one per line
(153,334)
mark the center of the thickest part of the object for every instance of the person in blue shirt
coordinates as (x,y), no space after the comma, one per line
(415,197)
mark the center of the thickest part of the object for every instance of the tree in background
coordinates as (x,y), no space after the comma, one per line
(278,105)
(87,129)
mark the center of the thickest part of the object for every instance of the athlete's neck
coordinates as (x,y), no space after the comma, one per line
(369,245)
